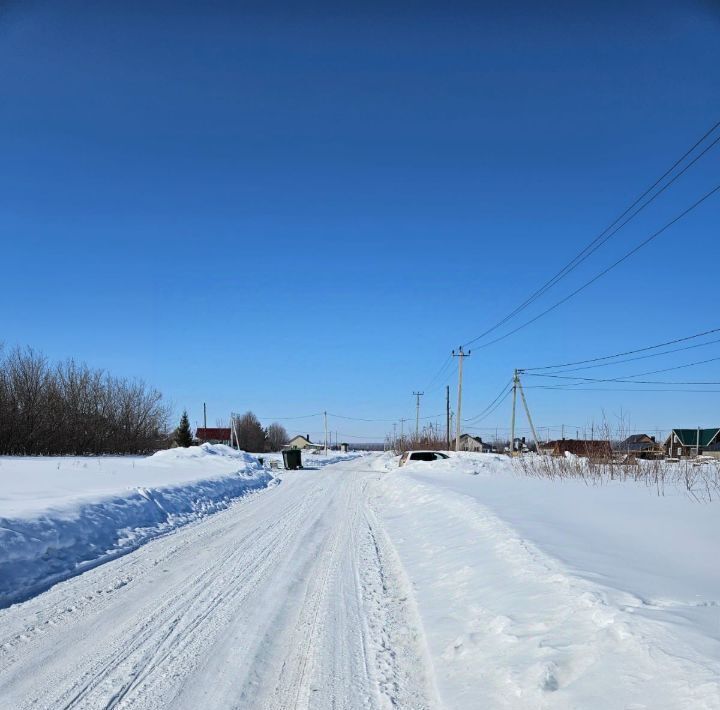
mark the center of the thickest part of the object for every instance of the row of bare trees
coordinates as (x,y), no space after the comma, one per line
(252,437)
(69,408)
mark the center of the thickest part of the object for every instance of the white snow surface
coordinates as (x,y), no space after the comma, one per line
(59,515)
(457,584)
(556,594)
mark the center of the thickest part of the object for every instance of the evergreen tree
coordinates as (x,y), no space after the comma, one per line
(183,434)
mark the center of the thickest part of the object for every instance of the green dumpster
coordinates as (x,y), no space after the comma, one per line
(292,459)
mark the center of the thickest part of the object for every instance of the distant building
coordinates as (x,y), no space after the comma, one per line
(468,442)
(589,448)
(301,442)
(688,442)
(639,446)
(713,450)
(213,435)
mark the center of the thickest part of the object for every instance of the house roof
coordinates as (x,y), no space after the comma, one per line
(220,433)
(300,436)
(470,436)
(689,437)
(638,438)
(636,442)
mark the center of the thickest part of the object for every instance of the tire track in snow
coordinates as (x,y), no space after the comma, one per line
(279,601)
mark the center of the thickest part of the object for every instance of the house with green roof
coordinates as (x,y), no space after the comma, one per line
(688,442)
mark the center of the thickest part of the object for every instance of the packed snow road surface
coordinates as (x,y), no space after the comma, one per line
(291,598)
(460,585)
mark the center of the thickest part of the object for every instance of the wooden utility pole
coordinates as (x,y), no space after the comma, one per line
(458,422)
(512,424)
(527,411)
(417,396)
(326,432)
(205,415)
(447,415)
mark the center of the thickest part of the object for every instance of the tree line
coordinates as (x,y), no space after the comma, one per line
(70,408)
(254,438)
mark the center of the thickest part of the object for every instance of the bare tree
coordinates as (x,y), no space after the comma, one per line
(277,436)
(250,434)
(72,409)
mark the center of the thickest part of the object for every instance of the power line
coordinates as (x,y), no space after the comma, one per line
(631,382)
(604,236)
(477,416)
(484,417)
(640,357)
(447,361)
(304,416)
(566,388)
(629,352)
(363,419)
(628,378)
(616,263)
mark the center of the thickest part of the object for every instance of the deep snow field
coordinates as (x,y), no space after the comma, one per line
(489,588)
(540,593)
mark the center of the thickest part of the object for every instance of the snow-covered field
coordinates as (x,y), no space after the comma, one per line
(456,584)
(59,515)
(538,593)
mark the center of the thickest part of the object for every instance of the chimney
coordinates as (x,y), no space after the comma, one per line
(308,437)
(652,438)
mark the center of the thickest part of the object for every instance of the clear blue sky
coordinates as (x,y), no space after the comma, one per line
(291,210)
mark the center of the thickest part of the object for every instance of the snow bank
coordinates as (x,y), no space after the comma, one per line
(558,594)
(59,516)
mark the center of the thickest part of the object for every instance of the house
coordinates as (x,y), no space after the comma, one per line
(713,450)
(468,442)
(301,442)
(639,446)
(689,442)
(589,448)
(213,435)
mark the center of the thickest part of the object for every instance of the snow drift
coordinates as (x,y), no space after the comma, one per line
(65,515)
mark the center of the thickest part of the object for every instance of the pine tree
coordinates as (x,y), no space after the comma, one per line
(183,434)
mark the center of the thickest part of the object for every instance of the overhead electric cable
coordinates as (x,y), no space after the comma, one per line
(628,352)
(603,237)
(639,357)
(616,263)
(502,392)
(615,389)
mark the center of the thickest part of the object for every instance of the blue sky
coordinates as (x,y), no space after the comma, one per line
(293,210)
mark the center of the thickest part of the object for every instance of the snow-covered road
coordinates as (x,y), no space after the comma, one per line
(291,598)
(361,585)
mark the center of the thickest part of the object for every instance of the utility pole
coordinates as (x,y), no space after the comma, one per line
(394,435)
(512,423)
(205,415)
(447,415)
(527,411)
(458,426)
(417,396)
(325,413)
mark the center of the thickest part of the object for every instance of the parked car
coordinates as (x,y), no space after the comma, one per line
(410,456)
